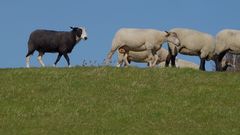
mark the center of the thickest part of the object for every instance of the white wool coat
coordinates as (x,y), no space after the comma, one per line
(149,40)
(228,40)
(194,43)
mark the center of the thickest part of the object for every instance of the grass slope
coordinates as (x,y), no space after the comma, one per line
(111,101)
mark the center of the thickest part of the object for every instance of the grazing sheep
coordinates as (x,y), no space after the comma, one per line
(54,41)
(149,40)
(141,57)
(193,43)
(180,63)
(227,40)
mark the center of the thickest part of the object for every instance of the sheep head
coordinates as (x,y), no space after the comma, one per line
(80,33)
(172,37)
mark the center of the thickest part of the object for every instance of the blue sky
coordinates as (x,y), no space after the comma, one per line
(103,18)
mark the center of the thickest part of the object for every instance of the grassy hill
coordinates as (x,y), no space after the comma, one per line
(111,101)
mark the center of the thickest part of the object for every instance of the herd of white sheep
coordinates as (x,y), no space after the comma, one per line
(145,45)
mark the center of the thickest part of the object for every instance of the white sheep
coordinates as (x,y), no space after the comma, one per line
(193,43)
(227,40)
(149,40)
(180,63)
(141,57)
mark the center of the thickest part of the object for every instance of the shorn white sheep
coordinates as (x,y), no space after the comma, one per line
(227,40)
(125,57)
(149,40)
(193,43)
(142,57)
(180,63)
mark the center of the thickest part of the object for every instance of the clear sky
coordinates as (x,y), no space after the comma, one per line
(102,18)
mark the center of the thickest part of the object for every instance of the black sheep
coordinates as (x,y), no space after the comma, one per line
(54,41)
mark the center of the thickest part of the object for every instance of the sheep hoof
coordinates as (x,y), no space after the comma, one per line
(54,65)
(118,65)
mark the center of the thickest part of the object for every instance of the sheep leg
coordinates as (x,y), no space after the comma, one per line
(67,59)
(28,61)
(126,60)
(171,57)
(219,61)
(120,59)
(155,60)
(167,61)
(217,64)
(125,65)
(119,64)
(58,58)
(202,64)
(40,58)
(28,58)
(110,54)
(173,51)
(173,60)
(151,58)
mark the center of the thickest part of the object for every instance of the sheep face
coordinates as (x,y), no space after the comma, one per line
(80,33)
(84,33)
(172,37)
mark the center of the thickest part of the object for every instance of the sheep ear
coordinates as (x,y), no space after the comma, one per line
(168,33)
(71,27)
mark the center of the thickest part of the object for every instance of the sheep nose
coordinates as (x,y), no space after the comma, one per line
(85,38)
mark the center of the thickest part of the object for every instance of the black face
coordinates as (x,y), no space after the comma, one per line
(77,31)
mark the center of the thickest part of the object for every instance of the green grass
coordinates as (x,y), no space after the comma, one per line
(112,101)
